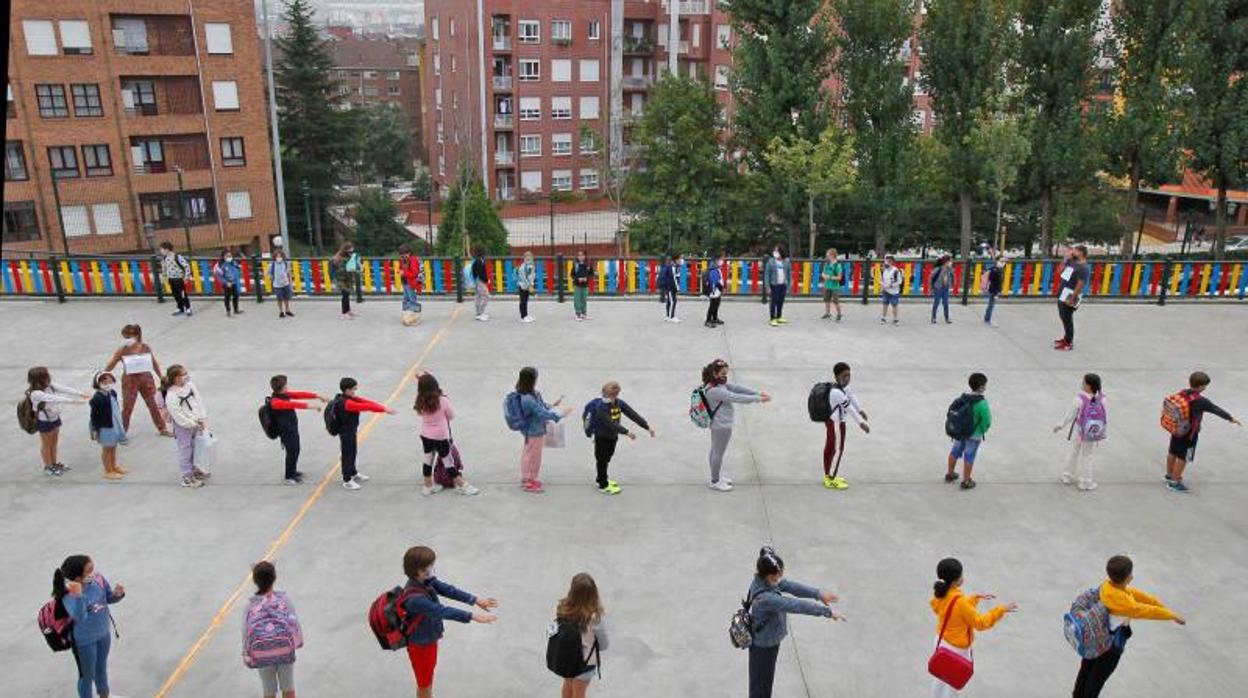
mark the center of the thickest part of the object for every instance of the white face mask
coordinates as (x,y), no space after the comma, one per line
(128,341)
(776,255)
(106,387)
(228,258)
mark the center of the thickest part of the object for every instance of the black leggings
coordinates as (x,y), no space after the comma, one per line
(604,449)
(230,295)
(1067,314)
(178,288)
(669,300)
(524,303)
(762,670)
(712,310)
(290,442)
(346,301)
(441,449)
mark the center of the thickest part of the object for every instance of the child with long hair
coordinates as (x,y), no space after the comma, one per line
(84,595)
(957,616)
(270,612)
(190,418)
(1086,420)
(583,608)
(46,398)
(436,413)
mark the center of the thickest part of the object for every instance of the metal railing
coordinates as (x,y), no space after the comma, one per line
(502,82)
(504,120)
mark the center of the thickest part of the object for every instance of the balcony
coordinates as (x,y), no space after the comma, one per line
(160,96)
(505,158)
(152,35)
(682,48)
(635,82)
(504,120)
(501,43)
(502,83)
(633,45)
(562,41)
(692,7)
(160,154)
(506,194)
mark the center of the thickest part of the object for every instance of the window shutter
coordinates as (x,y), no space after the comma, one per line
(225,95)
(75,33)
(107,219)
(238,204)
(40,39)
(76,222)
(218,38)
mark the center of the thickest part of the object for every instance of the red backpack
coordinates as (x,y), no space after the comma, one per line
(57,632)
(388,617)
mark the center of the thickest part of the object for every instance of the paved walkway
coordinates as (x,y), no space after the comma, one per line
(672,558)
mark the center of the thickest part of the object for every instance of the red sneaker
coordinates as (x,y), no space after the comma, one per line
(1063,346)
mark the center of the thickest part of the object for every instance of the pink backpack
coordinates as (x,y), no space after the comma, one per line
(272,631)
(57,632)
(1093,418)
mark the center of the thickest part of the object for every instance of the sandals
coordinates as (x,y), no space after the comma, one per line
(968,484)
(950,477)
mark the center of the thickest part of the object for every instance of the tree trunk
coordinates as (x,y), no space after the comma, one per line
(1046,221)
(1219,241)
(964,202)
(810,217)
(316,227)
(998,241)
(1130,221)
(881,239)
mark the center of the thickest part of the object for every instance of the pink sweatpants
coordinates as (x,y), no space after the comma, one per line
(531,458)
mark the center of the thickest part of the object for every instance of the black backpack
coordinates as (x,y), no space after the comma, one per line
(818,404)
(564,652)
(706,283)
(267,422)
(960,418)
(333,415)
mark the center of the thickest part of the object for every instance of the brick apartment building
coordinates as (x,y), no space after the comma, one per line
(385,70)
(113,98)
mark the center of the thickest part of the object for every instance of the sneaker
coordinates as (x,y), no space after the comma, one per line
(840,483)
(200,474)
(717,321)
(292,481)
(992,324)
(527,319)
(950,477)
(782,321)
(1087,485)
(710,325)
(123,471)
(1068,479)
(188,312)
(351,485)
(467,490)
(534,487)
(675,319)
(774,323)
(967,484)
(192,483)
(838,318)
(238,312)
(825,316)
(177,313)
(827,482)
(289,314)
(1063,346)
(948,321)
(361,477)
(611,488)
(51,470)
(721,486)
(1169,479)
(883,320)
(113,475)
(426,490)
(580,319)
(933,321)
(1177,486)
(299,475)
(896,322)
(281,315)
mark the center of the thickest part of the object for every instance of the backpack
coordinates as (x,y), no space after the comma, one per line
(706,282)
(267,422)
(333,415)
(741,626)
(587,416)
(513,411)
(960,418)
(57,632)
(181,262)
(700,412)
(28,415)
(271,633)
(818,404)
(389,620)
(440,474)
(1086,625)
(1092,420)
(985,281)
(1176,413)
(564,651)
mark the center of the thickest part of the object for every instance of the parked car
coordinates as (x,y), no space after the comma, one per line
(1239,242)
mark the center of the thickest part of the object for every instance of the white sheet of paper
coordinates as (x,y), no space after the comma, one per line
(1067,273)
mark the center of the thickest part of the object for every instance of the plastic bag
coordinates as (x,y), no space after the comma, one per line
(554,435)
(204,450)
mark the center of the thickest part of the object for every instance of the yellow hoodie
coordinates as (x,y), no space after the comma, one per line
(965,619)
(1130,602)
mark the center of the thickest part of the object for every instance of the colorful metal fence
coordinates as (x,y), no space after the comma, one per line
(621,277)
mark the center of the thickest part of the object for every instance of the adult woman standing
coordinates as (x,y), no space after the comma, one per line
(720,396)
(85,596)
(776,274)
(526,284)
(190,418)
(139,372)
(46,398)
(526,408)
(957,618)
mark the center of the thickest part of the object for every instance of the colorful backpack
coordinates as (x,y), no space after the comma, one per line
(1092,420)
(1086,625)
(741,627)
(272,632)
(57,632)
(700,412)
(389,620)
(1176,413)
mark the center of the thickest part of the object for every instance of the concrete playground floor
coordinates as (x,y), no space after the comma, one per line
(672,558)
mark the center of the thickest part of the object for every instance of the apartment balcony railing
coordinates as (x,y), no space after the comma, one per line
(692,7)
(635,82)
(504,120)
(506,194)
(683,48)
(502,82)
(501,43)
(504,157)
(633,44)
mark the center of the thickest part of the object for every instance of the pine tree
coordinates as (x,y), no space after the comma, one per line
(468,211)
(377,230)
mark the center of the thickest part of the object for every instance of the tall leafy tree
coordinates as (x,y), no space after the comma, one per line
(1056,50)
(1001,141)
(1141,142)
(822,168)
(964,44)
(673,199)
(377,228)
(1215,98)
(469,219)
(376,144)
(877,100)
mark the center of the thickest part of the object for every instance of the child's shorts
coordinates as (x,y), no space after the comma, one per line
(1183,447)
(890,298)
(965,449)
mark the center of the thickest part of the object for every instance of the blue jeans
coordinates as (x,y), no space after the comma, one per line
(940,296)
(992,303)
(966,450)
(92,658)
(410,299)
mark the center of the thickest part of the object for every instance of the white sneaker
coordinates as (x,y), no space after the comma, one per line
(725,477)
(721,486)
(1087,485)
(351,485)
(360,477)
(675,319)
(467,490)
(528,318)
(426,490)
(1068,479)
(481,318)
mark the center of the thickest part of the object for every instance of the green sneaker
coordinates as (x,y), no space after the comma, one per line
(611,488)
(840,483)
(828,482)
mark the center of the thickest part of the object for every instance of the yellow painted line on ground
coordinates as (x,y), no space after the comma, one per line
(278,543)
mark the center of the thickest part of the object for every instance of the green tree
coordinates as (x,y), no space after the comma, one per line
(1056,49)
(1214,68)
(1001,142)
(964,46)
(673,198)
(469,219)
(824,168)
(1140,141)
(307,99)
(377,144)
(877,101)
(378,231)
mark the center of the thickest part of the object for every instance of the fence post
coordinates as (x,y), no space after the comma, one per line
(1165,282)
(56,279)
(459,279)
(866,280)
(255,278)
(966,281)
(160,286)
(559,275)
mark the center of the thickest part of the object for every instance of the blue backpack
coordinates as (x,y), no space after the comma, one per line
(513,411)
(1086,625)
(587,416)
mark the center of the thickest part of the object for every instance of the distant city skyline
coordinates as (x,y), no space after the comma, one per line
(361,14)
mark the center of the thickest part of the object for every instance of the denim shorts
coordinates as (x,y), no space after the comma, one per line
(890,298)
(282,293)
(965,450)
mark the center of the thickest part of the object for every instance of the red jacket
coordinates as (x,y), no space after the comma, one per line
(359,404)
(412,272)
(290,401)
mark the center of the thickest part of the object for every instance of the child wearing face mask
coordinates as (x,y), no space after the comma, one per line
(581,271)
(776,274)
(85,596)
(720,396)
(190,418)
(106,428)
(283,286)
(229,274)
(605,425)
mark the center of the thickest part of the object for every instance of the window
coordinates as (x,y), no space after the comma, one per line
(721,77)
(86,100)
(530,146)
(918,116)
(561,31)
(40,41)
(238,205)
(919,87)
(561,180)
(589,143)
(370,75)
(148,155)
(560,70)
(139,95)
(589,70)
(392,75)
(531,181)
(75,37)
(589,107)
(437,97)
(163,209)
(451,27)
(343,90)
(530,69)
(63,161)
(51,100)
(589,179)
(97,160)
(14,162)
(455,100)
(393,91)
(696,35)
(9,110)
(232,152)
(107,219)
(662,35)
(437,64)
(530,108)
(75,221)
(454,63)
(561,144)
(433,26)
(529,31)
(217,36)
(595,30)
(723,36)
(561,107)
(225,95)
(20,221)
(371,91)
(130,35)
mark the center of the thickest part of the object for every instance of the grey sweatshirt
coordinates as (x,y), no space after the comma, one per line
(721,398)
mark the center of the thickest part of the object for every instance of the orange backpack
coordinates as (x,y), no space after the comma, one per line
(1176,413)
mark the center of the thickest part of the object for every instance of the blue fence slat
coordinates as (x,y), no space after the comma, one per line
(1216,278)
(1146,275)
